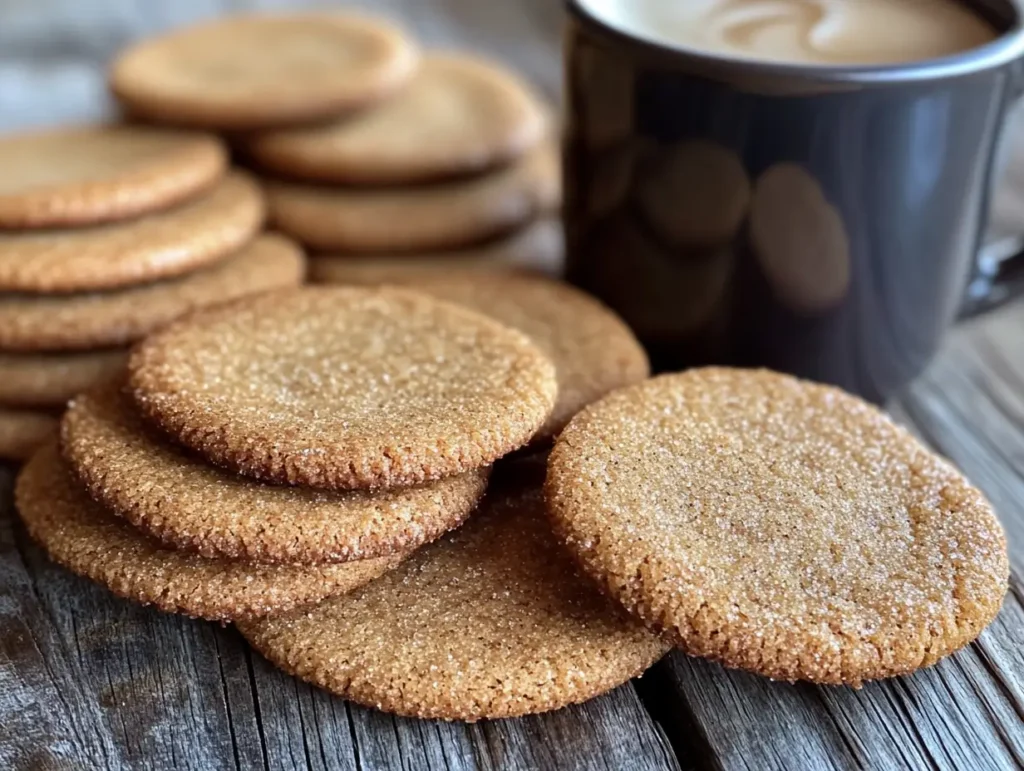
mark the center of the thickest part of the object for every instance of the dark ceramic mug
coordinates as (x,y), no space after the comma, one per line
(824,221)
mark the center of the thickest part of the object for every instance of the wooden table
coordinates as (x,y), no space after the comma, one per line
(88,681)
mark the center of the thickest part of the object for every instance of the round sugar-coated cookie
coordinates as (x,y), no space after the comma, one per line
(491,621)
(50,379)
(460,115)
(776,525)
(168,243)
(90,320)
(593,350)
(22,432)
(78,534)
(258,71)
(83,176)
(191,505)
(440,216)
(344,387)
(536,248)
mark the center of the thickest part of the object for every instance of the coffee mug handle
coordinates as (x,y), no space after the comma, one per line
(1000,276)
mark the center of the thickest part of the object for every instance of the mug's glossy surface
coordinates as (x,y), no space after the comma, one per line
(823,223)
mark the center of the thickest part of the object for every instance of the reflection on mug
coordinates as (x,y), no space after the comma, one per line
(611,175)
(799,240)
(607,112)
(665,296)
(694,194)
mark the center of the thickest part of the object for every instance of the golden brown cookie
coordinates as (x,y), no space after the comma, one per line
(188,504)
(78,534)
(50,379)
(22,432)
(537,248)
(258,71)
(441,216)
(80,321)
(83,176)
(344,387)
(189,236)
(491,621)
(592,349)
(460,115)
(776,525)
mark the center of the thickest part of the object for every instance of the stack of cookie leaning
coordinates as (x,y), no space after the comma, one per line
(380,159)
(106,234)
(318,444)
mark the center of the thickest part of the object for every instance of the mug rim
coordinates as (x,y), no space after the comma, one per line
(1005,49)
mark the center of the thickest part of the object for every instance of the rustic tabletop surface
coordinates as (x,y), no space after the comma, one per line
(88,681)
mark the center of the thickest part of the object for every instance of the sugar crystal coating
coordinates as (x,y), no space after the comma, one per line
(87,540)
(344,388)
(776,525)
(491,621)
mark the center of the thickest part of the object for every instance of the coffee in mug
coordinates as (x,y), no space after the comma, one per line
(821,32)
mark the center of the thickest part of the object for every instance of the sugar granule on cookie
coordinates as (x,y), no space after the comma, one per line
(777,525)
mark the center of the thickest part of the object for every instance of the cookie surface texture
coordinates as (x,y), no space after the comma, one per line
(537,248)
(259,71)
(592,349)
(83,176)
(50,379)
(95,319)
(191,505)
(776,525)
(491,621)
(344,387)
(84,538)
(460,115)
(22,432)
(189,236)
(440,216)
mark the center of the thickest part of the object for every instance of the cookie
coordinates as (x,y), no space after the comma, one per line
(83,176)
(441,216)
(776,525)
(197,507)
(491,621)
(536,248)
(50,379)
(189,236)
(22,432)
(344,387)
(80,321)
(593,350)
(460,115)
(81,536)
(799,240)
(258,71)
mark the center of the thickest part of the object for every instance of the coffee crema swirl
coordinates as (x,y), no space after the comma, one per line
(828,32)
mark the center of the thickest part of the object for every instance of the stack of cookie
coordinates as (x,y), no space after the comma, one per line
(107,234)
(384,161)
(292,447)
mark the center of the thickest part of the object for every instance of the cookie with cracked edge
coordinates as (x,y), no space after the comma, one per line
(89,175)
(593,350)
(405,219)
(776,525)
(491,621)
(78,534)
(188,504)
(344,387)
(535,248)
(34,323)
(50,379)
(189,236)
(460,115)
(264,70)
(22,432)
